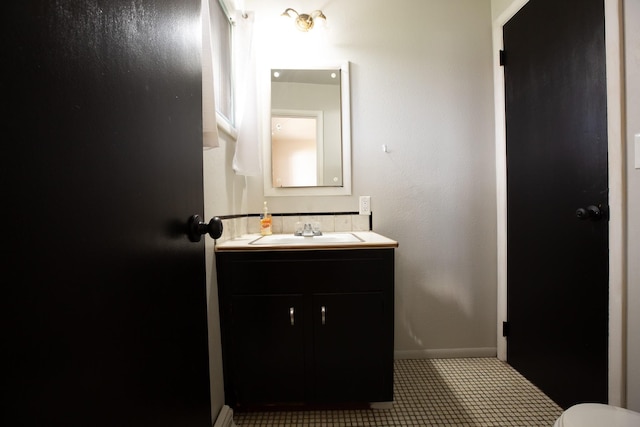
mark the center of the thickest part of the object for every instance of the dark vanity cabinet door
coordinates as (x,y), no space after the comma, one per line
(268,348)
(352,347)
(306,327)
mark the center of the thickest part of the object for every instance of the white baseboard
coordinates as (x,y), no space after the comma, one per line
(225,418)
(446,353)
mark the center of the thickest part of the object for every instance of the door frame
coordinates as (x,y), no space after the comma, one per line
(617,197)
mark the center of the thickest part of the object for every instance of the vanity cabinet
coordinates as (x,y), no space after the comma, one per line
(306,327)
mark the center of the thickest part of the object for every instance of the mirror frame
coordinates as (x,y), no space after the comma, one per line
(345,119)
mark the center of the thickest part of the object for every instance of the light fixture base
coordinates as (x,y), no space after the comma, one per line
(304,21)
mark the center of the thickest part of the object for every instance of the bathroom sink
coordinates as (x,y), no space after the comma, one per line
(290,239)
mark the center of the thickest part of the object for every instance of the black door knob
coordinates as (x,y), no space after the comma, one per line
(196,228)
(592,212)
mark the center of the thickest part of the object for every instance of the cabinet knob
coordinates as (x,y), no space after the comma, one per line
(292,316)
(323,312)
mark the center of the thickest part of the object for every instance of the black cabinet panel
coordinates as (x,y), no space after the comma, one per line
(352,353)
(267,345)
(313,271)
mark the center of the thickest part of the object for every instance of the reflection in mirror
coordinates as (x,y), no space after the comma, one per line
(296,148)
(308,151)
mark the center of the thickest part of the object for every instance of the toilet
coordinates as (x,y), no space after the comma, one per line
(597,415)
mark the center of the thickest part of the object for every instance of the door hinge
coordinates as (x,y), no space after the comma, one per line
(505,329)
(501,57)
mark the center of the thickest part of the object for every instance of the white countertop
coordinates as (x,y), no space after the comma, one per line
(368,240)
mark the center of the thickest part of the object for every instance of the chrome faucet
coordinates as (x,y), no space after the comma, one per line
(308,229)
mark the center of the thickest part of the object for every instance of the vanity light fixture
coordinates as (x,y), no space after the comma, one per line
(304,22)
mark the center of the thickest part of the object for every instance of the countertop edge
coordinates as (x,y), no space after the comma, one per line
(371,240)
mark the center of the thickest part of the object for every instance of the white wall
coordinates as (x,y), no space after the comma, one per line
(632,57)
(421,82)
(224,194)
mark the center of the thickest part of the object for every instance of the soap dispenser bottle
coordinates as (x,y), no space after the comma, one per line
(265,221)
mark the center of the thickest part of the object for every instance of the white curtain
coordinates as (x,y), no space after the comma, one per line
(209,124)
(246,160)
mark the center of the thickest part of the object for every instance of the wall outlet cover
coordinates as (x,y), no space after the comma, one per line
(365,205)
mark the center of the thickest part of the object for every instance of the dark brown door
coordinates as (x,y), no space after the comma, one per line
(557,301)
(103,296)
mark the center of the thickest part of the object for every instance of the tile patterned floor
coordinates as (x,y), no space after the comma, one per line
(437,392)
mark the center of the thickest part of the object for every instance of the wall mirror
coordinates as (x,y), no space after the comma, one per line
(308,149)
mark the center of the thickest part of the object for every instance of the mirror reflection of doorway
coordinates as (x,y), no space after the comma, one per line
(296,149)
